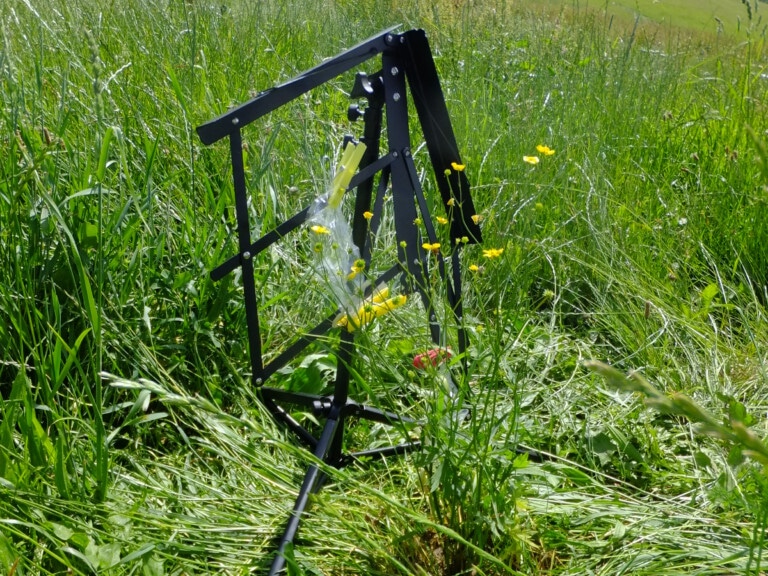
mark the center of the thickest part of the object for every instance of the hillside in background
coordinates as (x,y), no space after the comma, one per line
(731,18)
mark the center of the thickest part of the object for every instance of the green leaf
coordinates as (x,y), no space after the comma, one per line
(602,443)
(737,412)
(8,555)
(618,532)
(108,555)
(735,456)
(61,531)
(80,539)
(702,459)
(708,294)
(88,234)
(152,566)
(80,556)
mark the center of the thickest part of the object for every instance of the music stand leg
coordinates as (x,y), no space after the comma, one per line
(307,487)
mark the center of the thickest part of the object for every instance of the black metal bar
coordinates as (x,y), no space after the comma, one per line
(281,415)
(406,227)
(432,235)
(296,398)
(366,173)
(374,93)
(435,122)
(243,236)
(269,100)
(344,356)
(376,415)
(307,486)
(397,450)
(261,244)
(292,223)
(297,346)
(318,331)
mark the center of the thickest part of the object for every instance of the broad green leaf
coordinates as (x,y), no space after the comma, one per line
(708,294)
(152,566)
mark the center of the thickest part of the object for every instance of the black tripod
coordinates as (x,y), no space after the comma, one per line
(403,57)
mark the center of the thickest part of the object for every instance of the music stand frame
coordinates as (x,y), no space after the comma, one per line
(404,56)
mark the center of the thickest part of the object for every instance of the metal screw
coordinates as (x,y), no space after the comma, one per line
(389,38)
(396,96)
(246,255)
(235,121)
(394,71)
(394,154)
(259,381)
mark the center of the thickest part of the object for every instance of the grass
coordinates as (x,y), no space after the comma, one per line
(129,440)
(707,18)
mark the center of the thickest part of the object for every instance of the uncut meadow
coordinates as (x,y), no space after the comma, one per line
(613,412)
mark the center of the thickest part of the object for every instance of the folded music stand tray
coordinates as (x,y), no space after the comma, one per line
(404,57)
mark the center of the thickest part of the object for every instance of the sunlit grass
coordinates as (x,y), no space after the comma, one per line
(130,441)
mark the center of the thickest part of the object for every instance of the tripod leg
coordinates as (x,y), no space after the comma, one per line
(307,487)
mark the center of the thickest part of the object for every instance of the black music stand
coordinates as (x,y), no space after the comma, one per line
(404,56)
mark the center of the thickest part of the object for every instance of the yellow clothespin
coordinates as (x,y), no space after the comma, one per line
(350,160)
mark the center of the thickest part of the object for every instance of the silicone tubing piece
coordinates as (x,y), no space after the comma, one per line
(350,160)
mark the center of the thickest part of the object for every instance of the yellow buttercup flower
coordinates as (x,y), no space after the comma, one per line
(531,159)
(317,229)
(477,218)
(493,252)
(377,304)
(434,247)
(458,167)
(546,150)
(451,202)
(367,214)
(441,220)
(474,268)
(358,265)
